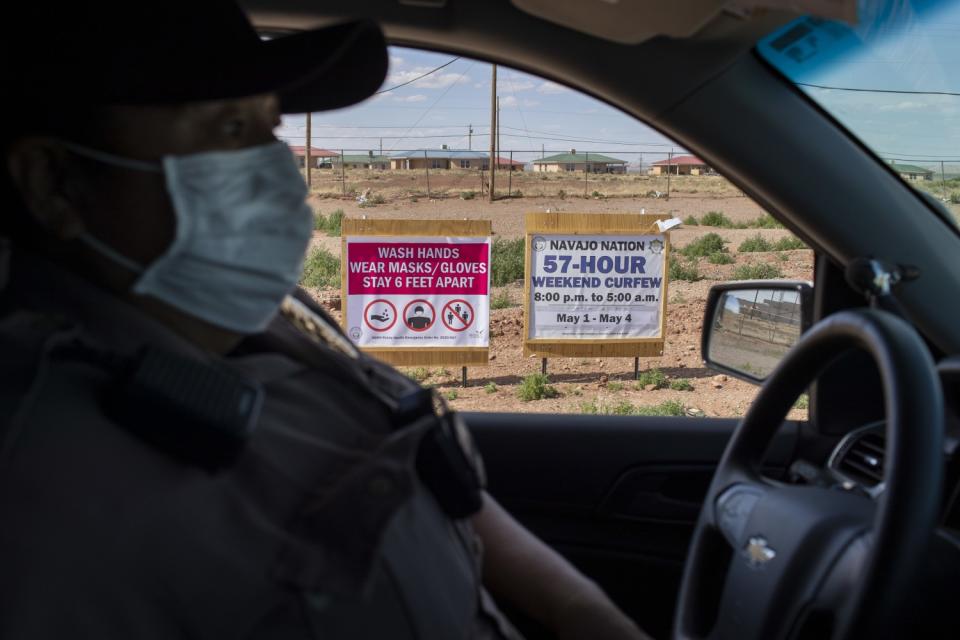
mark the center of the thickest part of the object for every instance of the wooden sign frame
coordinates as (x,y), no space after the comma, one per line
(592,224)
(415,356)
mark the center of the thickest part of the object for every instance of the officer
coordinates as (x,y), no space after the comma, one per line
(185,449)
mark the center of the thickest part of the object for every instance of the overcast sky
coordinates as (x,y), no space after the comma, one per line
(440,108)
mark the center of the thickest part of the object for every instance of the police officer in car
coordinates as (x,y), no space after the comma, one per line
(186,450)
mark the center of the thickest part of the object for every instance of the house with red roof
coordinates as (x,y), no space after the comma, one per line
(319,158)
(680,166)
(506,164)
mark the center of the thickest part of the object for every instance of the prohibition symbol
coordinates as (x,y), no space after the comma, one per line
(419,315)
(380,315)
(457,315)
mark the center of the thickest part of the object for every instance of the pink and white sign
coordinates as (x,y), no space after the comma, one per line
(418,291)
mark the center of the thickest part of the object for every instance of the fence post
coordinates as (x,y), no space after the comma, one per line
(586,171)
(343,173)
(943,181)
(670,171)
(510,173)
(426,165)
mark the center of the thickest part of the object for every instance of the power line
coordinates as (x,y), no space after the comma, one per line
(403,84)
(862,90)
(574,138)
(441,97)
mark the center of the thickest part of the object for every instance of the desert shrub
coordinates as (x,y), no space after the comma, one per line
(760,271)
(955,198)
(680,271)
(468,195)
(623,408)
(704,246)
(681,384)
(501,300)
(720,258)
(329,224)
(453,394)
(652,376)
(321,269)
(754,244)
(668,408)
(615,386)
(590,408)
(490,387)
(691,221)
(789,243)
(419,374)
(716,219)
(507,261)
(536,386)
(766,221)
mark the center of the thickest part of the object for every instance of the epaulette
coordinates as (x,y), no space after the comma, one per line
(315,327)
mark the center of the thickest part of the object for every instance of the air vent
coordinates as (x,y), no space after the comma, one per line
(863,459)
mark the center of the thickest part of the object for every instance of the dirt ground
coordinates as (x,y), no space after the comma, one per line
(592,384)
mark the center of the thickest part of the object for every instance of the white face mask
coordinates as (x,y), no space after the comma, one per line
(242,227)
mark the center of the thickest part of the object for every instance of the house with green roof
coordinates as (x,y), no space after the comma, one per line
(573,161)
(912,171)
(363,161)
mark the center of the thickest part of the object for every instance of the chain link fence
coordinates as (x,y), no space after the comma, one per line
(554,173)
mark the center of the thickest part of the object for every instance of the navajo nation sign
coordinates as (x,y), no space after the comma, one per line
(418,291)
(595,285)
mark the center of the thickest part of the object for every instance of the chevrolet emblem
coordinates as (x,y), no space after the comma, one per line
(758,552)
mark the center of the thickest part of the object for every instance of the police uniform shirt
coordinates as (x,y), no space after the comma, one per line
(321,527)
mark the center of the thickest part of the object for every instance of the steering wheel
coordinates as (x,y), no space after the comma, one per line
(769,559)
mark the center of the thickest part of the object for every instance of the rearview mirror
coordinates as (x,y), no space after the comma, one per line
(750,326)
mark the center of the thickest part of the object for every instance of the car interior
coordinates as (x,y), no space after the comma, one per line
(845,525)
(623,497)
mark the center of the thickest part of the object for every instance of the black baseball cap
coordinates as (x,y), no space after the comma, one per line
(177,51)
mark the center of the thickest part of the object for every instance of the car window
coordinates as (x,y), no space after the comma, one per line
(421,149)
(893,79)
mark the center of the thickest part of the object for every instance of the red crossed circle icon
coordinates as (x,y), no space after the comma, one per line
(417,320)
(457,315)
(378,317)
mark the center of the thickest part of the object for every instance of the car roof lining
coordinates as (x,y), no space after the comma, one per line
(496,31)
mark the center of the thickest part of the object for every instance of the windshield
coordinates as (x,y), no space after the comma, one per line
(893,79)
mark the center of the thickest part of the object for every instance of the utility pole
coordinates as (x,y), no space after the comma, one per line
(426,166)
(470,137)
(943,181)
(493,129)
(381,147)
(306,153)
(586,171)
(498,133)
(669,171)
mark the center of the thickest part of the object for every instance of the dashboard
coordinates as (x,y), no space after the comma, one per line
(858,460)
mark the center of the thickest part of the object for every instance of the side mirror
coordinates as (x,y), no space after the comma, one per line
(750,325)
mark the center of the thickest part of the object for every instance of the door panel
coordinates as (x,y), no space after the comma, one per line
(617,495)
